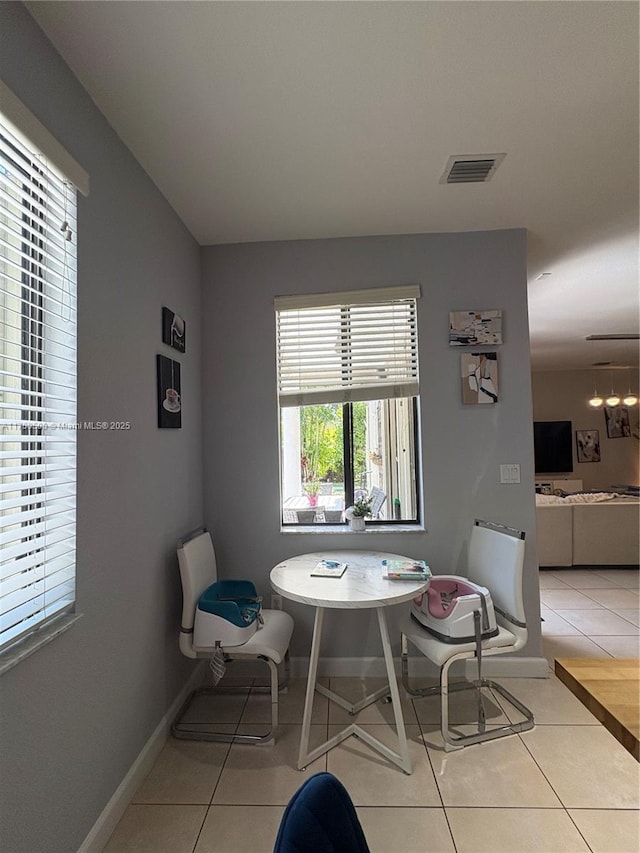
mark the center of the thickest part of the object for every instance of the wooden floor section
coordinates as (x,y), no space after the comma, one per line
(610,689)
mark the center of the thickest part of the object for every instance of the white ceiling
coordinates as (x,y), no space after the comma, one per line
(290,120)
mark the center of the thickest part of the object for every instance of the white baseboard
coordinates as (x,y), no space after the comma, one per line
(505,667)
(115,808)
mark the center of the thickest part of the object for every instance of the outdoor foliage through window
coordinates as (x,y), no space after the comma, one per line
(334,453)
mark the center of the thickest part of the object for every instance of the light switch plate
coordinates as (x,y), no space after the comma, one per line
(510,473)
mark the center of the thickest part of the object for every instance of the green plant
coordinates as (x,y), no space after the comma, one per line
(311,489)
(362,508)
(321,440)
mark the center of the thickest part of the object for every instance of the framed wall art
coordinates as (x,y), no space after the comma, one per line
(479,374)
(617,421)
(169,395)
(475,328)
(588,445)
(174,330)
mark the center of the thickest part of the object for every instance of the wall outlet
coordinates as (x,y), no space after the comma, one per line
(276,602)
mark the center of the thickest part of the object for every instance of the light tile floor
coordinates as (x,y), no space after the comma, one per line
(567,785)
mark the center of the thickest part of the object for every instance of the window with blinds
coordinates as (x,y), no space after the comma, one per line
(37,389)
(364,347)
(347,366)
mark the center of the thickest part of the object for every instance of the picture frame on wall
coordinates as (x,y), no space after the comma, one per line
(169,393)
(475,328)
(174,330)
(588,445)
(617,421)
(479,375)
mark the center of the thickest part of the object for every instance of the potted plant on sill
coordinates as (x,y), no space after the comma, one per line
(311,490)
(357,513)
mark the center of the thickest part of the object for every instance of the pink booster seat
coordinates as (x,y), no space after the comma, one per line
(446,609)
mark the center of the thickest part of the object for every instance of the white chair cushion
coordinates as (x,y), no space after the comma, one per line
(271,639)
(439,652)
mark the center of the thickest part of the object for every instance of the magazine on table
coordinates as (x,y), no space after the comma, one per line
(329,569)
(406,570)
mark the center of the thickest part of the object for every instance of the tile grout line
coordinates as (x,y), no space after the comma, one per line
(547,780)
(204,819)
(580,632)
(435,778)
(603,607)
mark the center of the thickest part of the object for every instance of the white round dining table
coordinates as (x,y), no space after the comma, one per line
(362,586)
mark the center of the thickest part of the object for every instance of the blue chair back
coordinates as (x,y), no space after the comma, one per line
(320,818)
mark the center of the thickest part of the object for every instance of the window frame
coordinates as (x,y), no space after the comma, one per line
(349,481)
(39,272)
(346,347)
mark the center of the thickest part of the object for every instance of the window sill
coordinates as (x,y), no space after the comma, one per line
(344,529)
(24,648)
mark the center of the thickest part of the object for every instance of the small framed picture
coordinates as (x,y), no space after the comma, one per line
(174,330)
(479,375)
(617,421)
(475,328)
(169,396)
(588,445)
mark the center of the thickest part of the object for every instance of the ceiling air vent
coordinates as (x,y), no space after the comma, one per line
(471,168)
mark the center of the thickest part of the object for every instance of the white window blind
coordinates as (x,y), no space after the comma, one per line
(37,389)
(342,347)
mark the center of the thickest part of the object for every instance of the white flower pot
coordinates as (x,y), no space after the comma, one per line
(357,524)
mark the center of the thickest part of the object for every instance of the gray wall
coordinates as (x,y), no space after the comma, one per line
(562,396)
(462,446)
(75,715)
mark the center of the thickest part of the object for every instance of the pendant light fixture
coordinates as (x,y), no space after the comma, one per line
(630,399)
(596,401)
(613,399)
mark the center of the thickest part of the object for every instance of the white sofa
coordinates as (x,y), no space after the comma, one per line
(596,534)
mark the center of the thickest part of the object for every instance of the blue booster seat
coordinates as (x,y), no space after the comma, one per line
(228,612)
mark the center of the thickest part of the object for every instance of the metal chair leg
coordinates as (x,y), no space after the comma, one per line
(189,731)
(452,742)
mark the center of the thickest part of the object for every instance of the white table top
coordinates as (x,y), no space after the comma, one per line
(361,586)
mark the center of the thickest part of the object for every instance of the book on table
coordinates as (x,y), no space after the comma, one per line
(329,569)
(406,570)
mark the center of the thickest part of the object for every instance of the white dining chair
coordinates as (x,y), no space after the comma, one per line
(495,561)
(270,643)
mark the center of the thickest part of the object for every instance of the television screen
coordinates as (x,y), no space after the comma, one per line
(553,448)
